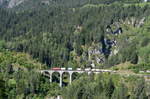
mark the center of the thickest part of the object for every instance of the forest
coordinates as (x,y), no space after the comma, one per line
(45,35)
(76,34)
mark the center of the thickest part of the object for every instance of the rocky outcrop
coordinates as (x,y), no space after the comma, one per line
(1,2)
(10,3)
(14,3)
(134,21)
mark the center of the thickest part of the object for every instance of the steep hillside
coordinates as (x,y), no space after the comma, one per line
(112,34)
(80,36)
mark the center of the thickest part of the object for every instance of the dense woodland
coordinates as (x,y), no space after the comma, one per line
(52,34)
(62,34)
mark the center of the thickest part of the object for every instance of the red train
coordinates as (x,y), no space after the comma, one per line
(56,68)
(63,69)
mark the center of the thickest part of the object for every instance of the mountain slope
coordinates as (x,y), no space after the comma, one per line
(76,34)
(64,37)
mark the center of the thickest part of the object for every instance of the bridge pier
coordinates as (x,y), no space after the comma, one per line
(89,73)
(60,78)
(70,77)
(50,77)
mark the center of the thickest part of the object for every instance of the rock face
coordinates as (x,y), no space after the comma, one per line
(1,2)
(13,3)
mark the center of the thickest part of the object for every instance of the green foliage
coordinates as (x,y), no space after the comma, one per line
(20,77)
(140,67)
(139,91)
(105,87)
(144,54)
(120,92)
(2,87)
(109,88)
